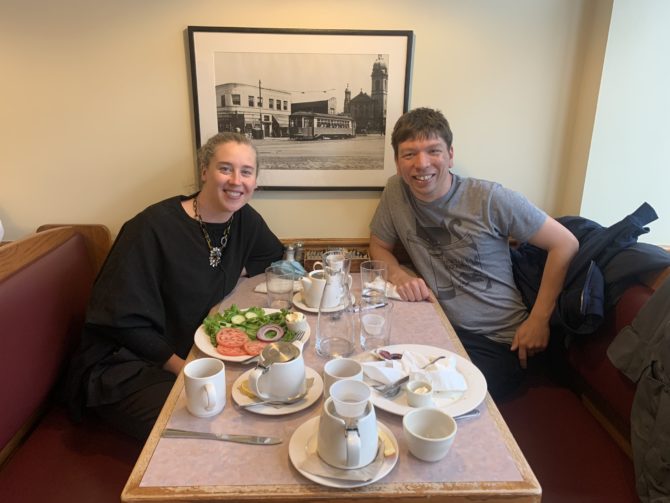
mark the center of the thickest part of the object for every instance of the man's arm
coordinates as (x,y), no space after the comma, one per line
(561,245)
(409,287)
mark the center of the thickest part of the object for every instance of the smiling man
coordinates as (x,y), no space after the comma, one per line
(456,231)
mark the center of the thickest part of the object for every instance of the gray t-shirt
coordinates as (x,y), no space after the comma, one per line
(459,245)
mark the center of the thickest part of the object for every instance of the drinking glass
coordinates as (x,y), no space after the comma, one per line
(373,282)
(280,288)
(375,326)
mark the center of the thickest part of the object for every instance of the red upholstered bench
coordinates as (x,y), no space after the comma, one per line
(45,283)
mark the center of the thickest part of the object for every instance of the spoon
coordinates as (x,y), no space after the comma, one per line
(290,400)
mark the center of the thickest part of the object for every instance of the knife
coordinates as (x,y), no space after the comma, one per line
(242,439)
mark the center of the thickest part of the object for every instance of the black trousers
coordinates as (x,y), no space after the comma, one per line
(136,414)
(499,365)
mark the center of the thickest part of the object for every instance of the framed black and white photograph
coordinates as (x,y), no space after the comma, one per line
(319,105)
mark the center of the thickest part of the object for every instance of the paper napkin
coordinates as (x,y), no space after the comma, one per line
(262,287)
(442,374)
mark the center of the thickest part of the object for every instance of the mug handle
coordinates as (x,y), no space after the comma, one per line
(254,378)
(209,394)
(353,447)
(319,264)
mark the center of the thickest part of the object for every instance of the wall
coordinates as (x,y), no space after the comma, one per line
(96,113)
(629,156)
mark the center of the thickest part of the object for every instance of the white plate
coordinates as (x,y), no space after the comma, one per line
(298,302)
(313,394)
(204,344)
(453,403)
(304,439)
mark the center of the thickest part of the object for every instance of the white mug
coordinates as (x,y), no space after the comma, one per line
(205,386)
(278,380)
(340,368)
(347,441)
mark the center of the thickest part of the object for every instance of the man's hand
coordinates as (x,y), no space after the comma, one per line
(411,288)
(531,337)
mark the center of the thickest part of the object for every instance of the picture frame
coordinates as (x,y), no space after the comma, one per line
(318,105)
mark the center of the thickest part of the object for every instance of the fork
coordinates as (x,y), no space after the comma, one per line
(298,338)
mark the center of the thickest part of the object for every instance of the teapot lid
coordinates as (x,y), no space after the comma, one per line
(279,352)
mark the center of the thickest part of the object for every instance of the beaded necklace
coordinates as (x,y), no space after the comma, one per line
(215,252)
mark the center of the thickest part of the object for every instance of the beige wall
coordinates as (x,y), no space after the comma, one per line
(629,158)
(96,115)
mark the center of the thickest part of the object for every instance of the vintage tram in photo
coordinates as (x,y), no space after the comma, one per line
(316,126)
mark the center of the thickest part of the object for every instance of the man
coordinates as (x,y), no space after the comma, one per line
(456,231)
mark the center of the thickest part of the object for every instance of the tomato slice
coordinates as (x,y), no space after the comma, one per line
(231,337)
(231,351)
(254,348)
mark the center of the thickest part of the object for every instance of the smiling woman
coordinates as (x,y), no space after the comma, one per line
(169,266)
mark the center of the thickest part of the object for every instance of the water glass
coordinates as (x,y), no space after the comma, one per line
(373,282)
(280,288)
(375,326)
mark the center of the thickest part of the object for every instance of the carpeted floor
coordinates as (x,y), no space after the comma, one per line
(571,454)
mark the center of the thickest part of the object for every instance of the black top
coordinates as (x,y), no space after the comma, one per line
(155,289)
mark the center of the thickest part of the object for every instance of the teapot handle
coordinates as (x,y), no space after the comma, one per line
(353,446)
(254,381)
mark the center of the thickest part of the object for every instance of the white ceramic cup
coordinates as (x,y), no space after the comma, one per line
(350,397)
(344,441)
(340,368)
(278,380)
(429,433)
(419,393)
(205,386)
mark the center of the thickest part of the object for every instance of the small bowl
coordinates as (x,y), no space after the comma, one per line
(429,433)
(296,321)
(419,393)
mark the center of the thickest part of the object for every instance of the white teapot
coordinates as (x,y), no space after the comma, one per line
(280,373)
(317,285)
(348,436)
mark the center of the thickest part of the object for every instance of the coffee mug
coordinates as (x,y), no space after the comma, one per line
(347,436)
(340,368)
(205,386)
(273,379)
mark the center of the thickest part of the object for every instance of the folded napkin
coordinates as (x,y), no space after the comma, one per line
(391,290)
(316,466)
(262,287)
(442,375)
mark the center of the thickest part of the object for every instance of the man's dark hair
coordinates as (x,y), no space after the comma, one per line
(421,123)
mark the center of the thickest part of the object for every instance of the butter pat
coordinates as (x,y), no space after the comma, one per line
(389,450)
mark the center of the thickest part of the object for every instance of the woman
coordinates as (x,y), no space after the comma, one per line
(168,267)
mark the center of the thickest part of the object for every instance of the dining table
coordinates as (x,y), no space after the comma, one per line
(484,463)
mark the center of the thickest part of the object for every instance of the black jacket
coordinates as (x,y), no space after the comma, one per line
(587,293)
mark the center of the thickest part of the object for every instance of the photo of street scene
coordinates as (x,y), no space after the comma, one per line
(306,111)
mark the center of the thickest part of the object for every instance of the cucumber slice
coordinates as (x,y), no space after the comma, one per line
(238,319)
(249,315)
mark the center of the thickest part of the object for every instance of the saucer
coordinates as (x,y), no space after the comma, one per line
(313,394)
(304,439)
(298,302)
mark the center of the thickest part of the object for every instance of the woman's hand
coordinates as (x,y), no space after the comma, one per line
(174,364)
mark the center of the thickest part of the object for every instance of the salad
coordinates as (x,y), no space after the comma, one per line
(237,332)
